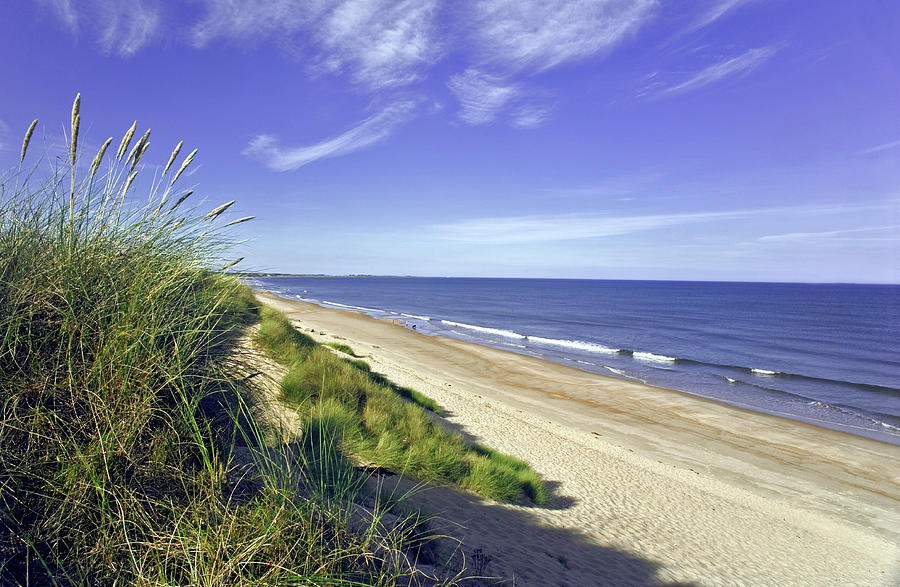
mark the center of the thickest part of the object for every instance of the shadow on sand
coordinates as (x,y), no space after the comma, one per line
(512,545)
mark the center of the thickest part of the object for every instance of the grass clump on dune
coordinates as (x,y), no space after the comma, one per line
(120,414)
(339,346)
(382,424)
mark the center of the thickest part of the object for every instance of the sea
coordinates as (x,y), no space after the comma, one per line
(825,354)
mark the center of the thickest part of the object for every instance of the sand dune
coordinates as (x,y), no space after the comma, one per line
(650,485)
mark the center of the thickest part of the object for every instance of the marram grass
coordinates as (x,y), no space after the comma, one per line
(122,419)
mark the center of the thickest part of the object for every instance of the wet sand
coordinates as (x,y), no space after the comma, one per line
(650,485)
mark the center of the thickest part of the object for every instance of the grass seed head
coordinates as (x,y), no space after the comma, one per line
(172,156)
(187,161)
(213,214)
(76,107)
(99,157)
(137,147)
(239,220)
(27,140)
(233,263)
(126,140)
(76,122)
(181,199)
(144,145)
(128,182)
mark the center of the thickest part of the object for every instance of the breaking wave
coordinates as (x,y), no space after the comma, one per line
(486,330)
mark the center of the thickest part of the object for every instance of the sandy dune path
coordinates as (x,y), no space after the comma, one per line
(651,485)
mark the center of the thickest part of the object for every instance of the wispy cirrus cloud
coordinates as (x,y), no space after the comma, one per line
(374,129)
(560,227)
(378,43)
(611,187)
(481,96)
(563,227)
(121,26)
(253,21)
(717,10)
(880,148)
(515,35)
(530,116)
(842,234)
(63,10)
(511,37)
(383,43)
(742,64)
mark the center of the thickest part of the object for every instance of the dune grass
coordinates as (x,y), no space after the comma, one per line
(381,424)
(339,346)
(121,418)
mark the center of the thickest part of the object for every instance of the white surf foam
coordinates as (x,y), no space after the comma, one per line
(426,318)
(574,344)
(351,307)
(621,373)
(486,330)
(641,356)
(764,372)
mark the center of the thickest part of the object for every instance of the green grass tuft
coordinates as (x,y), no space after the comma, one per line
(378,422)
(276,335)
(341,347)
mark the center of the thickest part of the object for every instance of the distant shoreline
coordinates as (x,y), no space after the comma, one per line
(614,445)
(251,274)
(746,376)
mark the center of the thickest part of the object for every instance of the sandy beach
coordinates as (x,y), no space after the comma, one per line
(650,485)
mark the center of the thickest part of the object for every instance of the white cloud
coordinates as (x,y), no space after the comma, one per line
(717,10)
(832,234)
(383,43)
(562,227)
(130,25)
(481,96)
(530,116)
(253,20)
(379,43)
(515,34)
(743,63)
(121,26)
(374,129)
(559,227)
(64,12)
(611,187)
(880,148)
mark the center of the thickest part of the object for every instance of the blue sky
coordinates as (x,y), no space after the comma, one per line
(645,139)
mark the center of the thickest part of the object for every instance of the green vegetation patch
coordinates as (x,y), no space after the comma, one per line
(339,346)
(122,419)
(383,424)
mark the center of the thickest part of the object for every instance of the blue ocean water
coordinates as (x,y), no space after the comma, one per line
(820,353)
